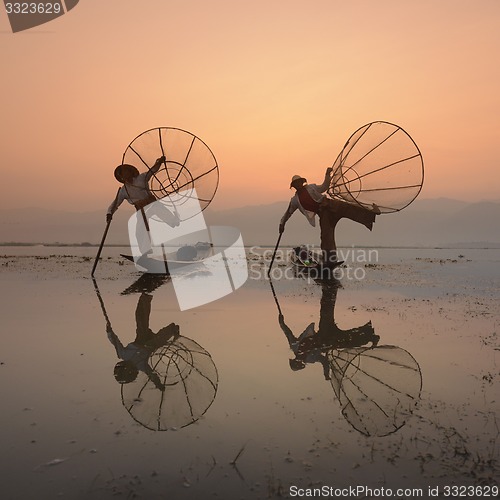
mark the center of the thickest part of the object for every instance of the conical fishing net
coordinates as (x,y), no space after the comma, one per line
(376,387)
(381,164)
(179,390)
(190,164)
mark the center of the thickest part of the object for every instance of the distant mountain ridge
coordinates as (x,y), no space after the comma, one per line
(434,222)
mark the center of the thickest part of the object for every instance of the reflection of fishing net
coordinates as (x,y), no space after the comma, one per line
(189,163)
(179,390)
(380,164)
(377,387)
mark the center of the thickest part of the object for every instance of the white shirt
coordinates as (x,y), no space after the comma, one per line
(315,191)
(133,192)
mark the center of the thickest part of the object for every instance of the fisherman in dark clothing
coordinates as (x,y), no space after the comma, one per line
(135,356)
(311,201)
(312,346)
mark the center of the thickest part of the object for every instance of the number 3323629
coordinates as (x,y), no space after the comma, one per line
(33,8)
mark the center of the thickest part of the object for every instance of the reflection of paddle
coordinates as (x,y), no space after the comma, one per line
(101,302)
(102,241)
(275,298)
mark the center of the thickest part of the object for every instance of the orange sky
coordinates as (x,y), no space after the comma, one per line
(274,88)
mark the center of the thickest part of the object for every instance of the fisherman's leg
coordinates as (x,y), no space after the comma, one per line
(142,234)
(326,325)
(165,335)
(357,213)
(162,211)
(142,313)
(327,222)
(145,243)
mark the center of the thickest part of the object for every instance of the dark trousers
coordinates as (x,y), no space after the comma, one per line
(331,211)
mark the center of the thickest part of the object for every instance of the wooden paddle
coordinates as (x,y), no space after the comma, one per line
(108,223)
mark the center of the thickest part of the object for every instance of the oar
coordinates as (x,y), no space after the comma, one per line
(274,255)
(103,240)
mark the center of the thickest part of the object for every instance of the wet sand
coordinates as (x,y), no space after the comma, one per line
(418,410)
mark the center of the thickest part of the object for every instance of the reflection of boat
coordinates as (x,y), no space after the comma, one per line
(377,387)
(146,283)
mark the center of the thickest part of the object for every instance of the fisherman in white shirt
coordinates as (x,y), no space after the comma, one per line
(136,191)
(311,201)
(135,187)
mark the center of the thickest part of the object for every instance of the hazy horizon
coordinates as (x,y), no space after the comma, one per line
(432,222)
(216,208)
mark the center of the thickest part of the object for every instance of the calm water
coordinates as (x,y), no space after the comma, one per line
(108,389)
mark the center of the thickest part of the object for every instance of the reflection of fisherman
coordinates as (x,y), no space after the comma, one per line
(136,191)
(310,346)
(311,201)
(135,356)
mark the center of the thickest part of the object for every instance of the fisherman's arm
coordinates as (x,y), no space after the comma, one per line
(158,163)
(326,366)
(293,205)
(288,333)
(326,183)
(114,206)
(113,338)
(153,376)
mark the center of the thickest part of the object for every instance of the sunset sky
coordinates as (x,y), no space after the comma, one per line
(274,88)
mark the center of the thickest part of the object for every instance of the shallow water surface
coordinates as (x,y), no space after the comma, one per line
(108,389)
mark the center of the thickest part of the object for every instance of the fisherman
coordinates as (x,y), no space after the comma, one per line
(311,201)
(313,346)
(136,191)
(135,357)
(135,187)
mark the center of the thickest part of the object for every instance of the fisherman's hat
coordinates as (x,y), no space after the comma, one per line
(297,178)
(125,372)
(121,170)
